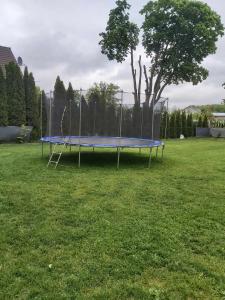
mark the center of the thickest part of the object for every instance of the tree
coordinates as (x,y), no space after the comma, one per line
(72,112)
(107,92)
(172,122)
(103,101)
(33,102)
(189,125)
(184,123)
(58,107)
(205,122)
(121,40)
(177,36)
(15,95)
(27,97)
(178,124)
(199,124)
(3,101)
(43,113)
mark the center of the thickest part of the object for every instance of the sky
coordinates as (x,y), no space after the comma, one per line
(57,37)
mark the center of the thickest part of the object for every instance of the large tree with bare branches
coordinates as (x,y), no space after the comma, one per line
(177,36)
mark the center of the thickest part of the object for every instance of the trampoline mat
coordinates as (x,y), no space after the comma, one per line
(104,142)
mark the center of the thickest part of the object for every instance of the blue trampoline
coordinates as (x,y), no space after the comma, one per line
(106,142)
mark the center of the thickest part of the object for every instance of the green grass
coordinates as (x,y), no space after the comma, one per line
(129,234)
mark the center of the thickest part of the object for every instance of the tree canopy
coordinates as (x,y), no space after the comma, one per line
(15,95)
(177,35)
(3,101)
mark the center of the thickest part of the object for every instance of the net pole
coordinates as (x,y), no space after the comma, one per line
(41,125)
(94,121)
(167,116)
(80,119)
(142,117)
(153,117)
(142,108)
(150,158)
(121,113)
(50,120)
(120,130)
(70,124)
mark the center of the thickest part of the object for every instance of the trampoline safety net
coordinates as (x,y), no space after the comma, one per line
(91,113)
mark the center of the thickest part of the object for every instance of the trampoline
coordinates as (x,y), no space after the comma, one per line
(107,142)
(102,120)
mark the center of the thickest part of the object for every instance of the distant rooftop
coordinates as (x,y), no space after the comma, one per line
(218,114)
(6,56)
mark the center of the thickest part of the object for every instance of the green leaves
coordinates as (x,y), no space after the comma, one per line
(3,101)
(121,35)
(15,95)
(178,35)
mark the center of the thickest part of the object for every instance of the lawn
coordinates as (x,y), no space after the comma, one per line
(99,233)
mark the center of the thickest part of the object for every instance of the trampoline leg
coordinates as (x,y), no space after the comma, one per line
(163,147)
(79,157)
(42,149)
(118,158)
(150,158)
(157,150)
(50,149)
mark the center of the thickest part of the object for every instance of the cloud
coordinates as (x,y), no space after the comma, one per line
(61,38)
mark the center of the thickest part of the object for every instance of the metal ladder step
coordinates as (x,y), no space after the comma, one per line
(54,153)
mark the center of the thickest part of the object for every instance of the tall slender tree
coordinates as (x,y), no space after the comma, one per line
(184,123)
(33,99)
(27,97)
(3,101)
(15,95)
(71,109)
(58,108)
(43,113)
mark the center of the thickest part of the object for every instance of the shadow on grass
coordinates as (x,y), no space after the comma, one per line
(108,159)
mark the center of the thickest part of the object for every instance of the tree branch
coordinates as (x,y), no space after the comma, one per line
(140,79)
(134,76)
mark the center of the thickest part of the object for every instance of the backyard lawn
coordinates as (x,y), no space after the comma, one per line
(99,233)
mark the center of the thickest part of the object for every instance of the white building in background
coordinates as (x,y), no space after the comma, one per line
(218,116)
(192,109)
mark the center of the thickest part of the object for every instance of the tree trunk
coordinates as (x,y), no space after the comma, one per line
(135,93)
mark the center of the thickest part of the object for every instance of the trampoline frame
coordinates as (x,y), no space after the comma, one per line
(67,141)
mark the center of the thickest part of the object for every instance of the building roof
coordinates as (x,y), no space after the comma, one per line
(192,109)
(218,114)
(6,56)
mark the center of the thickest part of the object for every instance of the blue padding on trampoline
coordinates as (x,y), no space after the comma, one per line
(103,142)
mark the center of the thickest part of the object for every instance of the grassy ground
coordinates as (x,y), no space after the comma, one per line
(98,233)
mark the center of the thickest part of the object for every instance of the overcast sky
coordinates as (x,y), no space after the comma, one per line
(57,37)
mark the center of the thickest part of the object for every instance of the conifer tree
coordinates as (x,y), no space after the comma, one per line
(27,97)
(178,123)
(199,124)
(3,101)
(184,123)
(173,125)
(15,95)
(205,123)
(58,107)
(33,99)
(71,108)
(43,112)
(189,125)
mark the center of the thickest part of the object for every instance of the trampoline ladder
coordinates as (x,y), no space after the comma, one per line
(55,155)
